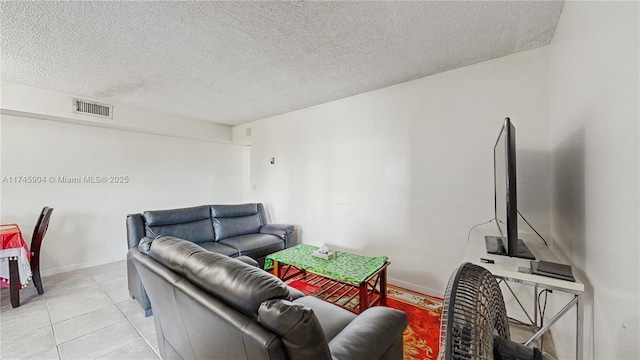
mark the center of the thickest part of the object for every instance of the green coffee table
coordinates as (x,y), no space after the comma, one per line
(354,282)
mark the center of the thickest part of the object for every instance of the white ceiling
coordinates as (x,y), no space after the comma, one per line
(235,62)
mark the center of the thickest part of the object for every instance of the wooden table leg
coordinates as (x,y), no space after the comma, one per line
(14,280)
(276,268)
(383,287)
(364,297)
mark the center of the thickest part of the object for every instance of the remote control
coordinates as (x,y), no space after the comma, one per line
(523,269)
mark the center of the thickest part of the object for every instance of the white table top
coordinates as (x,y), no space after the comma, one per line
(507,267)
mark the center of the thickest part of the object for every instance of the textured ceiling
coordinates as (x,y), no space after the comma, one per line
(235,62)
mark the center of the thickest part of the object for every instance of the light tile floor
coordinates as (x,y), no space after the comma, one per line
(84,314)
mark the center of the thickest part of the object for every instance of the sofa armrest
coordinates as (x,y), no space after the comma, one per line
(294,293)
(282,231)
(135,229)
(371,335)
(136,289)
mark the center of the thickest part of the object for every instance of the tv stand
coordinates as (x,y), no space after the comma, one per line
(509,269)
(495,245)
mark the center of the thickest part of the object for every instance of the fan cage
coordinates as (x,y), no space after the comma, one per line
(473,312)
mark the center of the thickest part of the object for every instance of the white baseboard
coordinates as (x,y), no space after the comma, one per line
(417,288)
(74,267)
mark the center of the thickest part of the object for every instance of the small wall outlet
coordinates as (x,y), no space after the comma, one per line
(247,131)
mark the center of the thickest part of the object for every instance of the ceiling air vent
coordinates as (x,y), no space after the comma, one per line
(92,108)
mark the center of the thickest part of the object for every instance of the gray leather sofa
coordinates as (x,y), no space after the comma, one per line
(231,230)
(210,306)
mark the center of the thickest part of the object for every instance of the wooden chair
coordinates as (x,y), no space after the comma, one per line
(36,242)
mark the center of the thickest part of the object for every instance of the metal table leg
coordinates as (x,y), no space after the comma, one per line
(579,327)
(552,321)
(535,307)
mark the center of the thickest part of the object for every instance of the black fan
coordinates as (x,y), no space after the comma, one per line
(474,321)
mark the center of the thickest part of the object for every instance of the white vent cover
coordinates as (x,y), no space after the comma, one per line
(92,108)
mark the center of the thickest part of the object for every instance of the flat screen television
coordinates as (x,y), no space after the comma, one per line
(506,197)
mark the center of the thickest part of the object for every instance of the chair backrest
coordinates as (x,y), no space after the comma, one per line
(38,234)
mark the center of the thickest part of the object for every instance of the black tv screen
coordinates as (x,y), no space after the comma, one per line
(506,197)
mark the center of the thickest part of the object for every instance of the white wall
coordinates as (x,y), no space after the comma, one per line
(594,143)
(407,170)
(58,106)
(88,223)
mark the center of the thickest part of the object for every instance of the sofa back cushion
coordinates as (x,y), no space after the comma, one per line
(240,285)
(172,252)
(235,220)
(193,224)
(298,327)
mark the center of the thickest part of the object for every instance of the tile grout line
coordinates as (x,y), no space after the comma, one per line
(75,338)
(111,302)
(138,331)
(126,318)
(53,330)
(46,300)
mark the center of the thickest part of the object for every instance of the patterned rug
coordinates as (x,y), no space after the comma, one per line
(421,337)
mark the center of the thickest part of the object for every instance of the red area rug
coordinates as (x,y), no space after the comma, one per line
(421,337)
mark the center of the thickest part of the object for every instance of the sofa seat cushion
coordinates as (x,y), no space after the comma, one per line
(255,245)
(220,248)
(332,318)
(193,224)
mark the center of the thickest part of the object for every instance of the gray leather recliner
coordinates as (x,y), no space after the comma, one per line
(210,306)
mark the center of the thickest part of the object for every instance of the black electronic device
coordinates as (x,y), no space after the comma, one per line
(506,197)
(551,269)
(495,245)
